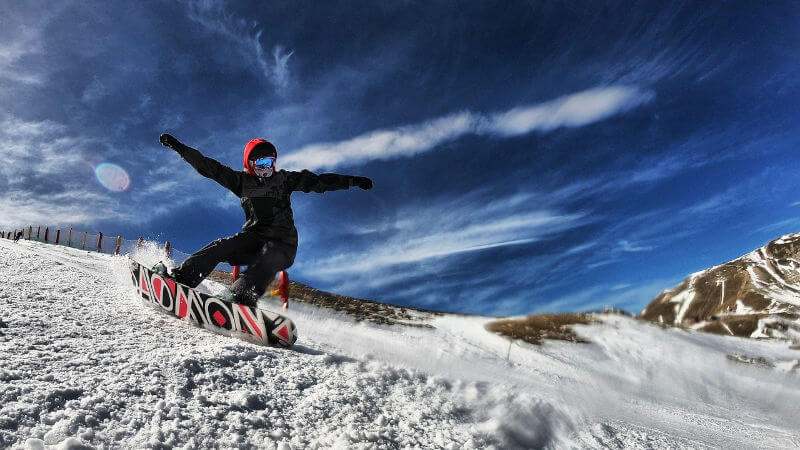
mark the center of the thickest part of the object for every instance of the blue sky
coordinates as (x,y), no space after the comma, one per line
(527,156)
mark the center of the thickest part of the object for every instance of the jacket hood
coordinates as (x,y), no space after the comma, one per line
(257,148)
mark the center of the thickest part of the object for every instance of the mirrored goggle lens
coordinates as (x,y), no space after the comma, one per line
(264,163)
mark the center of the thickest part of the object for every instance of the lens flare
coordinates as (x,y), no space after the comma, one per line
(112,177)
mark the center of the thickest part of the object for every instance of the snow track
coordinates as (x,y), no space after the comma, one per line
(83,361)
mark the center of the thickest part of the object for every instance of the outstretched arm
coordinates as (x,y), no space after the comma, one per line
(308,181)
(205,166)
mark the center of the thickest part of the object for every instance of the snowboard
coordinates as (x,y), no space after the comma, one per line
(252,324)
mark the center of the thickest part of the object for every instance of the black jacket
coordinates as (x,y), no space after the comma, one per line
(265,201)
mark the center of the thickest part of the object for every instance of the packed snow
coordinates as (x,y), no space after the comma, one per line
(83,362)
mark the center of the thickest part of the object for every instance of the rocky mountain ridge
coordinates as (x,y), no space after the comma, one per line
(756,295)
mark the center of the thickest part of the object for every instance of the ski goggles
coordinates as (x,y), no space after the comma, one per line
(267,162)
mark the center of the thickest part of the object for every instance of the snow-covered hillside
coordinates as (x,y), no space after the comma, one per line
(84,362)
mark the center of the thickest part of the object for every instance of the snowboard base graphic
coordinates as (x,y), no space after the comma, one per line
(252,324)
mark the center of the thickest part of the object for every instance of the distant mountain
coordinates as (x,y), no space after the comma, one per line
(756,295)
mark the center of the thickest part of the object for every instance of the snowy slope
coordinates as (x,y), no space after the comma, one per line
(82,361)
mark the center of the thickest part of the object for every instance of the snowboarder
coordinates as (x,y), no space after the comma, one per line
(268,241)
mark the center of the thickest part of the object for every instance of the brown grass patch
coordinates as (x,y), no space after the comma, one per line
(361,309)
(533,329)
(357,308)
(219,276)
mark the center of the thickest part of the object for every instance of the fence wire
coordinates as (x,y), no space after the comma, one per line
(85,240)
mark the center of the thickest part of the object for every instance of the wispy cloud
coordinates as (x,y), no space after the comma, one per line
(13,127)
(791,225)
(22,144)
(47,176)
(450,227)
(383,144)
(214,16)
(94,92)
(277,70)
(630,247)
(573,110)
(632,298)
(654,229)
(20,38)
(69,207)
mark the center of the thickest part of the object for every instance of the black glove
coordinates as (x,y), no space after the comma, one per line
(362,182)
(167,140)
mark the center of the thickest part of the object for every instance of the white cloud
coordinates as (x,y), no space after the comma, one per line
(278,71)
(94,92)
(15,128)
(22,39)
(791,225)
(423,232)
(633,298)
(629,247)
(72,206)
(658,228)
(23,142)
(582,248)
(573,110)
(382,144)
(171,121)
(164,186)
(44,176)
(212,15)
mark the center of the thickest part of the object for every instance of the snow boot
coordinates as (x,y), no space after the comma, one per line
(161,269)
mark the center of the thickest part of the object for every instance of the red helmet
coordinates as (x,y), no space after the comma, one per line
(257,148)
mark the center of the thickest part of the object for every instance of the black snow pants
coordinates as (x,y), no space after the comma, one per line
(264,258)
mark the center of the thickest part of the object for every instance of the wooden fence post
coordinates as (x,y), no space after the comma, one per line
(38,231)
(167,248)
(46,233)
(83,244)
(69,238)
(100,242)
(58,236)
(30,230)
(119,241)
